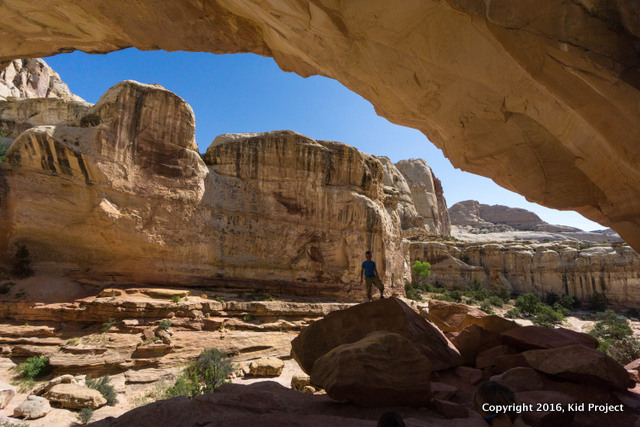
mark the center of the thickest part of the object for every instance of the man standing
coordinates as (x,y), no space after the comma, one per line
(371,277)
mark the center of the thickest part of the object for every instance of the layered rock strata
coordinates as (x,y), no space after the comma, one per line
(541,98)
(118,191)
(561,268)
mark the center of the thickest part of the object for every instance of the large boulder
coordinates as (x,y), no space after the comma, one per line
(581,364)
(534,337)
(74,396)
(473,340)
(33,407)
(454,317)
(266,367)
(382,369)
(353,324)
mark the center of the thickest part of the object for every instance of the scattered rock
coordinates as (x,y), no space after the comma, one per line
(266,367)
(468,374)
(6,394)
(473,340)
(451,316)
(488,357)
(520,379)
(382,369)
(300,381)
(33,407)
(442,391)
(73,396)
(63,379)
(449,409)
(353,324)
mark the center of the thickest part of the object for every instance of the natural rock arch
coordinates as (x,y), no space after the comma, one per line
(542,97)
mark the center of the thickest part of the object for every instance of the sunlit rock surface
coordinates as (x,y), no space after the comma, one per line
(541,97)
(119,191)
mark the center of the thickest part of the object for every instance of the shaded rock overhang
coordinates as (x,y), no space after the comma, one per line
(541,96)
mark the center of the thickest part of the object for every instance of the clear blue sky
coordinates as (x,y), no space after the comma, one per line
(247,93)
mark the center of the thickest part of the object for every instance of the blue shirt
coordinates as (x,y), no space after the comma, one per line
(369,268)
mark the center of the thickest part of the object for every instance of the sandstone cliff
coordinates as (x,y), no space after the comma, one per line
(541,97)
(118,191)
(561,268)
(498,217)
(32,78)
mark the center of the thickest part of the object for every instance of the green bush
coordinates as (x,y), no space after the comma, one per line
(108,325)
(610,325)
(560,309)
(551,298)
(85,415)
(164,324)
(546,316)
(476,290)
(528,303)
(103,385)
(443,297)
(176,299)
(514,313)
(456,295)
(501,292)
(598,302)
(208,372)
(495,301)
(624,351)
(569,302)
(33,367)
(412,292)
(486,307)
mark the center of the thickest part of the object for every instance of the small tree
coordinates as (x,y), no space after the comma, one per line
(22,267)
(422,270)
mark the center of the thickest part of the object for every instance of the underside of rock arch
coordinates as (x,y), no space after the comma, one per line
(541,96)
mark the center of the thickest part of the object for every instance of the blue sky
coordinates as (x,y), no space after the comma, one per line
(248,93)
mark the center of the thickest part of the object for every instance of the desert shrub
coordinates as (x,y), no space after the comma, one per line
(501,292)
(208,372)
(624,351)
(476,290)
(551,298)
(103,385)
(84,416)
(495,301)
(108,325)
(164,324)
(22,266)
(456,295)
(583,246)
(443,297)
(528,303)
(247,318)
(421,269)
(486,306)
(560,309)
(610,325)
(176,299)
(90,120)
(412,292)
(598,302)
(33,367)
(546,316)
(73,341)
(514,313)
(569,302)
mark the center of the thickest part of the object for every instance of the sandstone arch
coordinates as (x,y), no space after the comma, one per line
(540,96)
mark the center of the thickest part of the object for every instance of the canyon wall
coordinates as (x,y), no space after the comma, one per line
(542,97)
(561,268)
(118,191)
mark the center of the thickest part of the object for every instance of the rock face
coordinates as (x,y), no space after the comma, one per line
(32,78)
(382,369)
(427,195)
(541,98)
(500,218)
(561,268)
(121,184)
